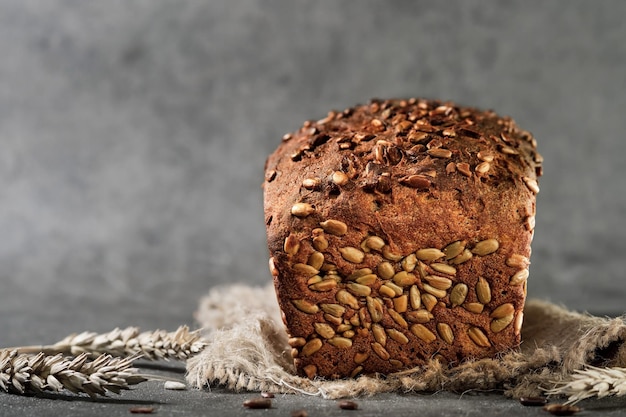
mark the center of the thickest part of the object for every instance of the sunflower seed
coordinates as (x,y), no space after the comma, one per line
(561,409)
(519,320)
(478,337)
(358,289)
(273,269)
(305,306)
(394,287)
(429,301)
(441,283)
(258,403)
(423,333)
(374,243)
(367,279)
(266,394)
(348,405)
(333,319)
(401,303)
(386,291)
(379,334)
(385,270)
(397,317)
(503,310)
(486,247)
(355,321)
(458,294)
(351,254)
(375,308)
(419,316)
(320,243)
(519,277)
(344,297)
(311,183)
(358,273)
(324,330)
(396,363)
(499,324)
(409,262)
(414,297)
(314,279)
(295,353)
(485,156)
(323,286)
(297,341)
(360,357)
(429,254)
(454,249)
(465,256)
(316,260)
(533,401)
(291,245)
(530,223)
(464,168)
(142,410)
(349,334)
(334,227)
(310,371)
(343,327)
(443,268)
(404,279)
(380,351)
(387,254)
(434,291)
(440,153)
(333,309)
(518,261)
(302,209)
(311,347)
(445,332)
(531,184)
(340,178)
(307,270)
(398,336)
(483,167)
(419,182)
(340,342)
(356,371)
(475,308)
(483,291)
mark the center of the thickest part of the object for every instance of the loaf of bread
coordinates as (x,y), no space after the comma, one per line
(399,232)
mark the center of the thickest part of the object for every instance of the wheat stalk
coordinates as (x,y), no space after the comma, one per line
(592,382)
(152,345)
(21,373)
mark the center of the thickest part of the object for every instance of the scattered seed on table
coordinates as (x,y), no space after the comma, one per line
(533,401)
(348,405)
(561,409)
(174,385)
(267,395)
(258,403)
(141,410)
(299,413)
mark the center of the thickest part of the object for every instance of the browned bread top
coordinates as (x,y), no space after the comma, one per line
(428,201)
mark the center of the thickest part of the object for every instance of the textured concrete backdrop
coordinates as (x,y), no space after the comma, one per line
(133,135)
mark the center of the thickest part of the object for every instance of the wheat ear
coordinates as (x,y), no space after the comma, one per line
(592,382)
(152,345)
(23,373)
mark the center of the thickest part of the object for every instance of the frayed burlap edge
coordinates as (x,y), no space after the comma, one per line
(248,350)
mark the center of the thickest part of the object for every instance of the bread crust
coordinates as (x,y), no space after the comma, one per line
(407,184)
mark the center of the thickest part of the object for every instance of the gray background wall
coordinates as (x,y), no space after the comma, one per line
(133,135)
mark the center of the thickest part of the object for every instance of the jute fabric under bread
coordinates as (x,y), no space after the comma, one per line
(248,350)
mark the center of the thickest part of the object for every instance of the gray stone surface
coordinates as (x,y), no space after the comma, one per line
(133,135)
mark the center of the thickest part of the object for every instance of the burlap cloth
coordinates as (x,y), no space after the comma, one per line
(248,350)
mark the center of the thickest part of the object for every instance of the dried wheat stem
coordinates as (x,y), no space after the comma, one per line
(152,345)
(592,382)
(21,373)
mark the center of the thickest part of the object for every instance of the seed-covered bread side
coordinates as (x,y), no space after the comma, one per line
(400,231)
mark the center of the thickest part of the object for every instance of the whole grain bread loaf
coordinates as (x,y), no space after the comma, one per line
(399,232)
